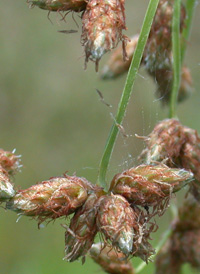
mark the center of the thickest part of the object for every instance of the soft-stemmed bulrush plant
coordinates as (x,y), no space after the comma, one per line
(114,221)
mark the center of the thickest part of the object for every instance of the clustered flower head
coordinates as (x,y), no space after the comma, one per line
(102,23)
(121,216)
(177,146)
(157,57)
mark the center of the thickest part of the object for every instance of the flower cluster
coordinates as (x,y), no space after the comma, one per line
(122,216)
(102,23)
(157,58)
(177,146)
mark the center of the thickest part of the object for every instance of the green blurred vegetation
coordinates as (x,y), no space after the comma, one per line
(51,113)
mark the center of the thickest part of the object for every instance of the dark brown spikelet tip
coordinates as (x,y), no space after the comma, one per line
(103,22)
(164,143)
(80,235)
(9,161)
(59,5)
(111,260)
(148,185)
(6,188)
(118,222)
(116,64)
(57,197)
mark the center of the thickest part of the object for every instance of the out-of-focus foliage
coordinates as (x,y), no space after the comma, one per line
(50,112)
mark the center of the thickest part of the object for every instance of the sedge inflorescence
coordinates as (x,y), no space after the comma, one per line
(122,215)
(102,23)
(157,57)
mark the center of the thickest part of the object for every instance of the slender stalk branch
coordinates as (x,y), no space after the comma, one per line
(190,7)
(136,60)
(158,248)
(176,53)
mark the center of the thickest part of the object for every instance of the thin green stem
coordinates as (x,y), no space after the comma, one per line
(135,64)
(158,248)
(176,53)
(190,7)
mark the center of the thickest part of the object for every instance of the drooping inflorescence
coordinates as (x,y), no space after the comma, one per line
(103,22)
(157,57)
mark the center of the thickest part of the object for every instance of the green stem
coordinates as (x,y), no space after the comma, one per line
(135,64)
(176,53)
(190,7)
(158,248)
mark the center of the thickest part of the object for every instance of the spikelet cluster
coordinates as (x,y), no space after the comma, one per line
(177,146)
(157,58)
(102,23)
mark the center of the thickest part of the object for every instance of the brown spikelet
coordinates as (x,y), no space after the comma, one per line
(110,260)
(158,58)
(159,45)
(54,198)
(165,143)
(116,65)
(117,221)
(80,235)
(148,185)
(103,22)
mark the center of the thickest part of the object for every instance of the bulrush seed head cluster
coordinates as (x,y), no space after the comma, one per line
(157,58)
(122,216)
(177,146)
(102,23)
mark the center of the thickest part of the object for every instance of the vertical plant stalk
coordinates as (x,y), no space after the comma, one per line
(190,7)
(176,53)
(136,60)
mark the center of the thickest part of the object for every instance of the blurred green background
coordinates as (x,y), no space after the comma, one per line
(51,113)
